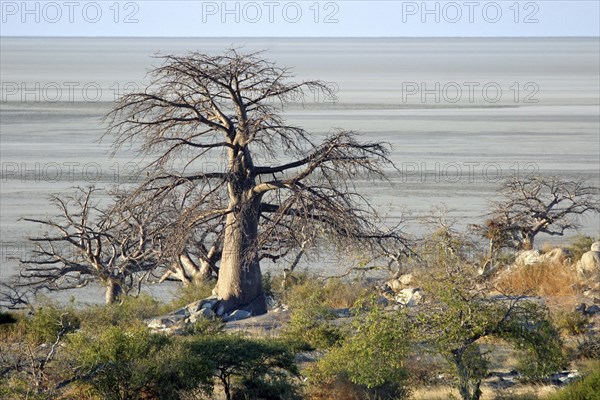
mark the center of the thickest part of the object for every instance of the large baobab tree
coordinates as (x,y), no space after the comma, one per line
(535,205)
(116,247)
(213,128)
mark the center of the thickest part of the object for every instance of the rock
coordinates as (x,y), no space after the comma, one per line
(382,301)
(196,306)
(161,323)
(589,265)
(592,310)
(564,377)
(341,312)
(527,257)
(280,308)
(269,325)
(181,313)
(394,284)
(210,302)
(581,308)
(406,279)
(409,297)
(237,315)
(206,313)
(596,247)
(555,256)
(172,330)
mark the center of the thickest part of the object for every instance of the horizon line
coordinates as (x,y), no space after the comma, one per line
(296,37)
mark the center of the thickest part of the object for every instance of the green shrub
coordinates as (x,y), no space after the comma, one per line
(571,322)
(340,294)
(249,368)
(311,320)
(579,245)
(373,358)
(17,388)
(587,388)
(31,353)
(538,340)
(131,364)
(332,293)
(206,327)
(460,314)
(588,347)
(47,323)
(312,305)
(126,313)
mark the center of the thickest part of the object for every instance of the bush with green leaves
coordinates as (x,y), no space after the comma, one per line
(205,327)
(31,352)
(459,313)
(130,364)
(528,328)
(50,322)
(588,347)
(125,313)
(373,358)
(257,369)
(571,322)
(587,388)
(580,244)
(311,317)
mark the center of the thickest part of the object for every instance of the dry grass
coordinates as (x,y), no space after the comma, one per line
(343,389)
(520,392)
(333,293)
(545,279)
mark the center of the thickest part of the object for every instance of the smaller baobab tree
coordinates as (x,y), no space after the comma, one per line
(84,243)
(534,205)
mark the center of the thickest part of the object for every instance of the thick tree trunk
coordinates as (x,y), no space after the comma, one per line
(113,291)
(240,281)
(195,273)
(188,272)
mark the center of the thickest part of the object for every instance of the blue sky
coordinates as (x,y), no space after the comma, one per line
(346,18)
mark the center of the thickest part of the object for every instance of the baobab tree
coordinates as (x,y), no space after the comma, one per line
(535,205)
(213,128)
(117,247)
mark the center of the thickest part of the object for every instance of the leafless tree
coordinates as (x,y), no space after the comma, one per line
(536,205)
(116,247)
(270,185)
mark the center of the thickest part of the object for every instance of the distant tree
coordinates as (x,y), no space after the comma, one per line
(273,184)
(530,206)
(85,243)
